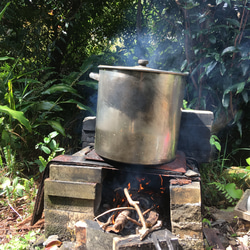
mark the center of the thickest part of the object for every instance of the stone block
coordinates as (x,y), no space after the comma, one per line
(79,190)
(90,236)
(58,222)
(185,213)
(69,204)
(184,194)
(194,135)
(88,131)
(75,173)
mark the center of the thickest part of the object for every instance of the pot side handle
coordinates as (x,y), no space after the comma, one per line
(94,76)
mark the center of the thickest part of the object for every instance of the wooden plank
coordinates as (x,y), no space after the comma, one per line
(213,239)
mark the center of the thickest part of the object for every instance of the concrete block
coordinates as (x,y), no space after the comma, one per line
(75,173)
(69,204)
(79,190)
(195,130)
(185,213)
(90,236)
(58,222)
(184,194)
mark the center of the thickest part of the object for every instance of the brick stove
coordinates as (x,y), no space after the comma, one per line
(73,192)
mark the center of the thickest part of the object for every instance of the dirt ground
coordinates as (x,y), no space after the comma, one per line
(15,220)
(232,232)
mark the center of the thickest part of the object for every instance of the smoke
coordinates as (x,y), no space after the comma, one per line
(162,52)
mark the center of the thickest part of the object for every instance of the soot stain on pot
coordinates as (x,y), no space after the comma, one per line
(132,94)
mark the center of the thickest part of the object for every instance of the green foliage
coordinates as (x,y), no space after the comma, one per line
(4,9)
(29,106)
(61,34)
(229,191)
(12,189)
(214,141)
(21,243)
(206,221)
(50,147)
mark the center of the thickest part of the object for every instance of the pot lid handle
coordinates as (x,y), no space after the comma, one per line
(142,62)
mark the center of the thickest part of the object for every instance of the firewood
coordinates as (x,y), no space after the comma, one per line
(112,210)
(134,221)
(104,225)
(144,230)
(120,222)
(152,219)
(148,210)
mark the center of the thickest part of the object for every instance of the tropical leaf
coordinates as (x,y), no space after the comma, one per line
(45,105)
(57,126)
(232,191)
(4,58)
(248,161)
(228,50)
(59,88)
(79,105)
(4,9)
(18,115)
(90,84)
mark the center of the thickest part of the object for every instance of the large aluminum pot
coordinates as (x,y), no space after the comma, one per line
(138,114)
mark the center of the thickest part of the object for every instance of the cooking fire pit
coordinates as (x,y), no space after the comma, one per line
(84,186)
(131,186)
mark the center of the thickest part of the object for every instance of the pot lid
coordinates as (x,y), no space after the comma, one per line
(141,67)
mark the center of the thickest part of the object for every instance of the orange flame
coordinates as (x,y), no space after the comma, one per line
(161,180)
(113,219)
(140,187)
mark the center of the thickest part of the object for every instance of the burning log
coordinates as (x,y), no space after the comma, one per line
(117,224)
(120,222)
(112,210)
(152,220)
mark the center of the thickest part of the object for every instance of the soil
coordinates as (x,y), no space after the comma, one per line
(15,220)
(233,233)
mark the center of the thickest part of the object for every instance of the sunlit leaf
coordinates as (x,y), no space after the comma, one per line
(53,134)
(5,181)
(248,161)
(45,149)
(240,87)
(18,115)
(228,50)
(210,67)
(4,58)
(4,9)
(232,191)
